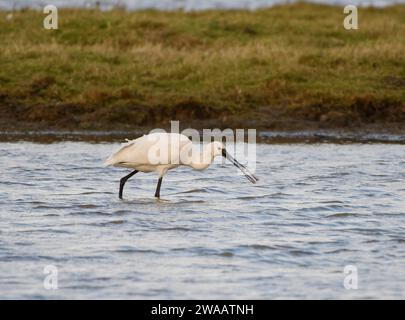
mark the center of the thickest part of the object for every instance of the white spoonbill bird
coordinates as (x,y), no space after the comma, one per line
(160,152)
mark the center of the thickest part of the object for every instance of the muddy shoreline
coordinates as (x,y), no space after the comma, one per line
(105,76)
(262,136)
(273,70)
(268,130)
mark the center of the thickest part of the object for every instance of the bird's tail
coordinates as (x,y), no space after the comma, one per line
(109,162)
(115,157)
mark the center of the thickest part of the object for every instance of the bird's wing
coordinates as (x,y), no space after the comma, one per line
(156,148)
(121,154)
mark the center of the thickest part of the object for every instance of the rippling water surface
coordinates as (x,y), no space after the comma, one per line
(316,209)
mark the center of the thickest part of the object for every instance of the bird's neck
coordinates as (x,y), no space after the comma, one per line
(203,160)
(199,165)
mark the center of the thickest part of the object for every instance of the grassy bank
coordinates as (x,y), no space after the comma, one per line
(288,67)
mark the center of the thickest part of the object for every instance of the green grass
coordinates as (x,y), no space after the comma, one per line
(269,68)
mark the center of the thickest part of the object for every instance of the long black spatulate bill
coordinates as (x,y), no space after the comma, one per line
(250,176)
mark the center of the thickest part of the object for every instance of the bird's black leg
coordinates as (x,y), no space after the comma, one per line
(157,193)
(124,180)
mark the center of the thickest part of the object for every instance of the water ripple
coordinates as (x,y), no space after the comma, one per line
(317,208)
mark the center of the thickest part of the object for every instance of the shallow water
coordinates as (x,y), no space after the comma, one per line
(316,209)
(179,4)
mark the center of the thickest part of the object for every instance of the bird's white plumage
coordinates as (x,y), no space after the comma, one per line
(157,152)
(160,152)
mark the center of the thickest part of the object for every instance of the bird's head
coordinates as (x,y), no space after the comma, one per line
(217,148)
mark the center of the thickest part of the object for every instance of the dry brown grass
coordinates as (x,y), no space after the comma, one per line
(269,68)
